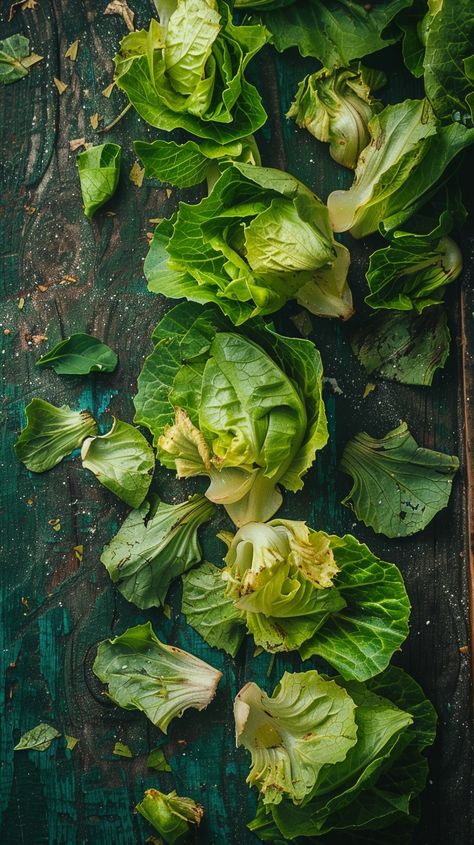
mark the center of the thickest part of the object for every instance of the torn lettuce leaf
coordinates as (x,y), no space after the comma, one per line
(335,105)
(412,272)
(37,739)
(122,460)
(170,815)
(404,347)
(447,33)
(188,71)
(156,543)
(51,433)
(156,760)
(293,588)
(398,487)
(372,792)
(246,411)
(259,239)
(161,680)
(99,171)
(188,164)
(334,31)
(79,354)
(404,162)
(306,724)
(15,58)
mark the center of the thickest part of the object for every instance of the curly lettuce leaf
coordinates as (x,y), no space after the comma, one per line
(398,487)
(153,546)
(144,674)
(188,164)
(170,815)
(405,347)
(308,723)
(99,171)
(122,460)
(51,433)
(79,354)
(210,611)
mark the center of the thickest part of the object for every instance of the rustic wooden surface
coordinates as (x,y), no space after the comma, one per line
(53,607)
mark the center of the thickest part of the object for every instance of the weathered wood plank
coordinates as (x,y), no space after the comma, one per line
(54,608)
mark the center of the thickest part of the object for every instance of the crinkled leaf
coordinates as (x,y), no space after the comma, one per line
(122,460)
(163,681)
(209,609)
(398,487)
(51,433)
(449,33)
(37,739)
(99,171)
(406,347)
(15,58)
(307,723)
(152,547)
(79,354)
(170,815)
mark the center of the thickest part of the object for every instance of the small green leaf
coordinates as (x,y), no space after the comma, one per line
(15,58)
(51,433)
(79,354)
(99,171)
(122,750)
(398,487)
(122,460)
(37,739)
(157,760)
(71,741)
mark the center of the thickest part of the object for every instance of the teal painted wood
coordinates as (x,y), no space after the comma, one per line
(54,608)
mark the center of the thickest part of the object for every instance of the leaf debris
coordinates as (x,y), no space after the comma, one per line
(137,174)
(72,50)
(61,86)
(121,7)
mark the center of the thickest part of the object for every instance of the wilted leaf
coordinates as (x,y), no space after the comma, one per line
(76,143)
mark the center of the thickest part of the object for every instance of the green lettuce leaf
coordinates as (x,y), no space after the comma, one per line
(307,723)
(398,487)
(414,270)
(153,546)
(188,71)
(99,171)
(79,354)
(407,157)
(334,31)
(37,739)
(406,347)
(254,440)
(144,674)
(336,105)
(170,815)
(15,58)
(122,460)
(51,433)
(260,238)
(448,35)
(156,760)
(210,611)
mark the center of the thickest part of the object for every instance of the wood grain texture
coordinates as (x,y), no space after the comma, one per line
(53,607)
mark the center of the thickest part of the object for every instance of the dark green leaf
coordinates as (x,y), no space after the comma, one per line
(79,354)
(157,760)
(37,739)
(99,171)
(449,32)
(51,433)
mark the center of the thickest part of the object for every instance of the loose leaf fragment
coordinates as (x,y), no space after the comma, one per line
(99,171)
(38,738)
(405,347)
(121,7)
(61,86)
(71,742)
(15,58)
(72,50)
(398,487)
(94,120)
(107,91)
(51,433)
(170,815)
(144,674)
(79,354)
(122,750)
(157,760)
(137,174)
(122,460)
(154,546)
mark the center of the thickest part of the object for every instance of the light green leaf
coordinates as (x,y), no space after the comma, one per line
(15,58)
(156,760)
(51,433)
(144,674)
(188,164)
(37,739)
(406,347)
(209,609)
(71,742)
(99,171)
(122,460)
(122,750)
(79,354)
(154,546)
(170,815)
(307,723)
(398,487)
(192,29)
